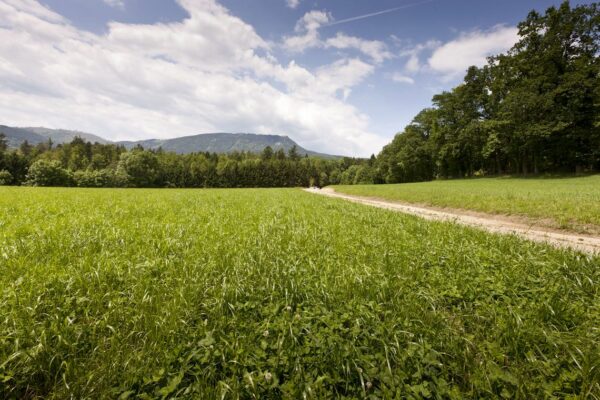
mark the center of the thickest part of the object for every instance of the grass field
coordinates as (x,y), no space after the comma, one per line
(571,203)
(281,294)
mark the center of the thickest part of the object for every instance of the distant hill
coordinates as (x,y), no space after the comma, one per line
(211,142)
(65,136)
(16,136)
(223,143)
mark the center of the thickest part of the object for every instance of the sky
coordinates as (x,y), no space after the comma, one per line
(337,76)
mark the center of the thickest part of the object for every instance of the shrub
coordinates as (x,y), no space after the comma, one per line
(48,173)
(90,178)
(6,177)
(141,167)
(364,175)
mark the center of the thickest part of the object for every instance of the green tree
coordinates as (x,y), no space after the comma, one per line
(5,177)
(3,143)
(293,153)
(267,153)
(48,173)
(533,109)
(409,157)
(140,167)
(25,148)
(280,154)
(551,78)
(93,178)
(364,175)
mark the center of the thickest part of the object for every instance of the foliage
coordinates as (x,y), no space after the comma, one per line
(96,178)
(281,294)
(3,142)
(140,167)
(48,173)
(108,165)
(407,158)
(357,174)
(533,109)
(5,177)
(556,202)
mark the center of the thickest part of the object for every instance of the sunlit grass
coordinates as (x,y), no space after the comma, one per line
(281,294)
(572,203)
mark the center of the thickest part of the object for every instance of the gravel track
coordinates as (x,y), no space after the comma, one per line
(488,222)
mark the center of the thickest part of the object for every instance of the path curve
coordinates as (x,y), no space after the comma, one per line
(585,243)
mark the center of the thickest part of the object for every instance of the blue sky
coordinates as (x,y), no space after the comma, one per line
(338,76)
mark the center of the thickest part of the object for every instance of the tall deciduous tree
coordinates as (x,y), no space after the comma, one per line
(533,109)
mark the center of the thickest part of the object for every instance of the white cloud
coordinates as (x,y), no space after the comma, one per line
(312,20)
(341,76)
(413,53)
(413,64)
(307,29)
(308,37)
(292,3)
(398,77)
(27,10)
(116,3)
(453,58)
(300,43)
(209,72)
(373,48)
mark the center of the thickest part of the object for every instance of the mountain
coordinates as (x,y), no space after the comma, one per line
(211,142)
(223,143)
(65,136)
(16,136)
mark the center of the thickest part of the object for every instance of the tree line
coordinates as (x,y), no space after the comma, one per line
(534,109)
(84,164)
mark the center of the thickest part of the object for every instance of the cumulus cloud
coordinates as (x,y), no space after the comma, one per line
(307,32)
(116,3)
(28,10)
(375,49)
(341,76)
(209,72)
(413,53)
(312,21)
(307,29)
(398,77)
(292,3)
(472,48)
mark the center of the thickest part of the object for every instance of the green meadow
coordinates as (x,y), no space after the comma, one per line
(278,293)
(571,203)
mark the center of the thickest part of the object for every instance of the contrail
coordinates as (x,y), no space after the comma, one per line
(343,21)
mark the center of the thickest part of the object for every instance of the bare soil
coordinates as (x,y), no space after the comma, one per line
(492,223)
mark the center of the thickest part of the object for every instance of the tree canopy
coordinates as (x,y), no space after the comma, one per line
(534,109)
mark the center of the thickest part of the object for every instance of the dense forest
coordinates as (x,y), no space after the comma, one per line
(535,109)
(85,164)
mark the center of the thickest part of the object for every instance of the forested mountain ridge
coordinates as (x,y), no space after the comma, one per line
(220,143)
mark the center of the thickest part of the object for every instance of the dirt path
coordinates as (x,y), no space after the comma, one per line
(488,222)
